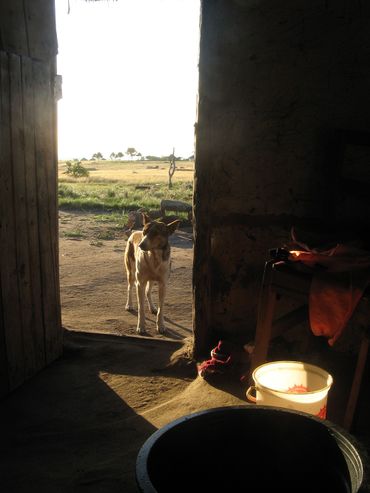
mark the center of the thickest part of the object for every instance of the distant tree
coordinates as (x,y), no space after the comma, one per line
(191,158)
(119,155)
(131,151)
(97,155)
(112,156)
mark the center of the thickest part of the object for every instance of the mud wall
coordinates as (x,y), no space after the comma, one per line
(275,79)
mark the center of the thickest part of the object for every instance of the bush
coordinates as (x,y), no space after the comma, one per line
(66,191)
(76,169)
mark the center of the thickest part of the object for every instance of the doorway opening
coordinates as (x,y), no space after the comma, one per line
(130,80)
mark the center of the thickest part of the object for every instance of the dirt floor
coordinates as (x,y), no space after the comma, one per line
(93,280)
(78,425)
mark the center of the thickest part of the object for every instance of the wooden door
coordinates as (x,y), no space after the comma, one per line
(30,321)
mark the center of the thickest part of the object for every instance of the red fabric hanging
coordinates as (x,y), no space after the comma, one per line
(340,276)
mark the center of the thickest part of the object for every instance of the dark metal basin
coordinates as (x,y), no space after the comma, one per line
(249,448)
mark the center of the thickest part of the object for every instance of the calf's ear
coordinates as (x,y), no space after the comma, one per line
(171,228)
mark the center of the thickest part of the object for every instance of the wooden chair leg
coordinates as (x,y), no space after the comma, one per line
(356,383)
(264,319)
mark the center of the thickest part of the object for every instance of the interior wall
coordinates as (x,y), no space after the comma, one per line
(275,79)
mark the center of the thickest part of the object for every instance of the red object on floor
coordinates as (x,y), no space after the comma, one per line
(212,366)
(221,358)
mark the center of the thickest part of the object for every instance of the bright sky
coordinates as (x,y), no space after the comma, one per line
(130,76)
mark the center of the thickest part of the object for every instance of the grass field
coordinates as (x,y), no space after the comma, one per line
(118,187)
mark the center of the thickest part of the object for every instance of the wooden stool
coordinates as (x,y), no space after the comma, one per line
(281,278)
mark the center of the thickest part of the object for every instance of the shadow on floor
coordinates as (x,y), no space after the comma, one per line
(70,428)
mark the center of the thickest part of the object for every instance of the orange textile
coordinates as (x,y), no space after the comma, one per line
(340,276)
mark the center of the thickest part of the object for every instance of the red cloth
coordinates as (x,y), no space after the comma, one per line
(340,276)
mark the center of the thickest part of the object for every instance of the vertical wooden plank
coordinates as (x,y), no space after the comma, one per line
(265,317)
(30,173)
(47,200)
(4,379)
(356,383)
(54,183)
(20,213)
(41,29)
(8,261)
(13,27)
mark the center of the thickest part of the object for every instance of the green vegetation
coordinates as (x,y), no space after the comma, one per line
(110,189)
(108,234)
(74,234)
(104,196)
(75,169)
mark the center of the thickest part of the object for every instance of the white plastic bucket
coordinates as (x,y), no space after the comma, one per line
(292,385)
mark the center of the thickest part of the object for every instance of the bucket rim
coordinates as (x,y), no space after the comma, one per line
(309,366)
(353,451)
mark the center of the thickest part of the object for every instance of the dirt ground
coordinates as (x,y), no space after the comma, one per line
(93,280)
